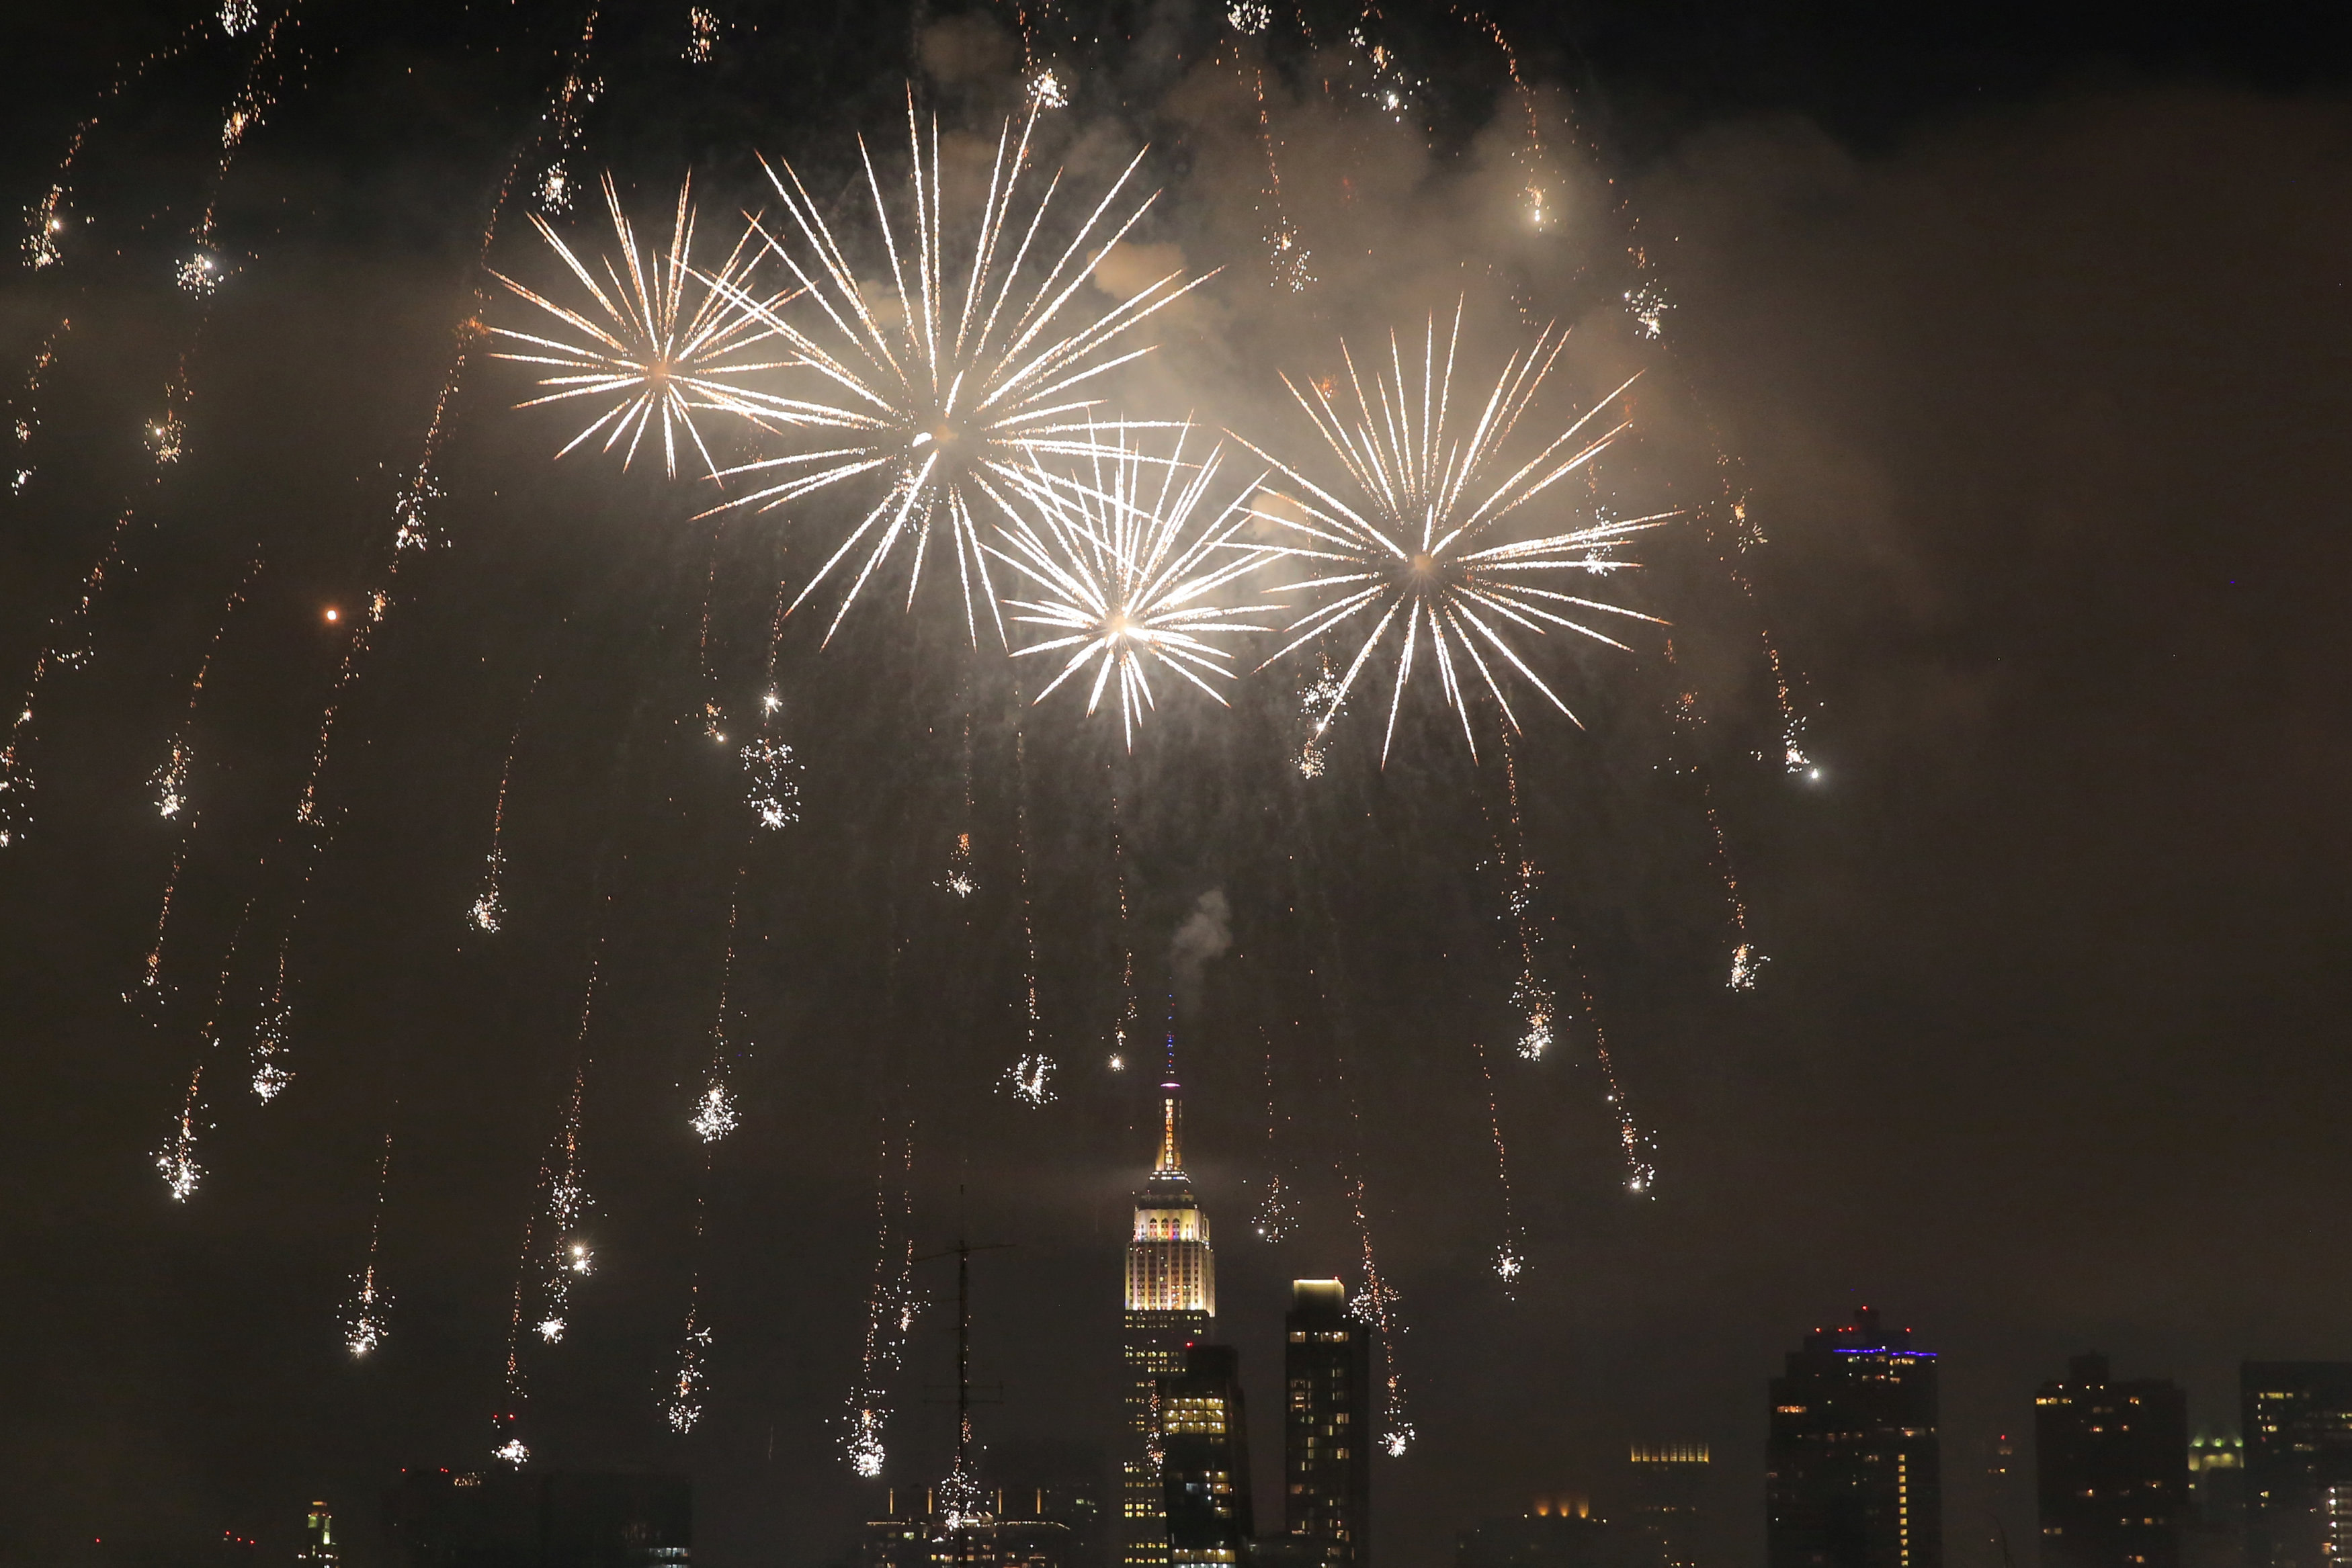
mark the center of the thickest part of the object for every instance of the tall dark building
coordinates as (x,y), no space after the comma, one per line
(1669,1486)
(504,1518)
(1854,1475)
(1204,1460)
(1171,1298)
(1326,1425)
(2298,1435)
(2111,1469)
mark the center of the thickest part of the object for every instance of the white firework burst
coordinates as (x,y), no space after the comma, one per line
(668,340)
(951,376)
(1123,570)
(775,792)
(1030,1080)
(1407,539)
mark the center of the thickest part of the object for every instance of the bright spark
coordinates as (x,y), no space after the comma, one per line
(1746,965)
(1029,1080)
(670,340)
(775,792)
(1122,572)
(513,1452)
(1508,1264)
(1406,542)
(946,391)
(714,1115)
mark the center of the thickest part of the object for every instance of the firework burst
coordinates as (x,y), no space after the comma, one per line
(1408,538)
(1123,573)
(946,389)
(671,340)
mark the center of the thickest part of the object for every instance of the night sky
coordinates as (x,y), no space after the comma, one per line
(2023,337)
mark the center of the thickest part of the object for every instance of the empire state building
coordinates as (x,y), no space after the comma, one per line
(1171,1298)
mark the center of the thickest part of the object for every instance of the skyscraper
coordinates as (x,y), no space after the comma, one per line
(1854,1476)
(1204,1460)
(317,1538)
(2298,1433)
(2111,1469)
(1669,1484)
(1172,1297)
(1327,1434)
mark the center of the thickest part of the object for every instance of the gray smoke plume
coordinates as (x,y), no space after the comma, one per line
(1206,932)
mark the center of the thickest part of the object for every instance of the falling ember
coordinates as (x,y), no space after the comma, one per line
(1745,965)
(1272,1222)
(166,438)
(683,1407)
(1409,550)
(1029,1080)
(199,275)
(945,394)
(958,880)
(1048,90)
(775,792)
(170,780)
(363,1325)
(238,16)
(513,1452)
(1507,1263)
(866,1452)
(177,1160)
(1249,18)
(272,1041)
(714,1114)
(701,35)
(1648,304)
(551,1330)
(1397,1438)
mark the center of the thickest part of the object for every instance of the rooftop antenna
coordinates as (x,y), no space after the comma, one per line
(964,1399)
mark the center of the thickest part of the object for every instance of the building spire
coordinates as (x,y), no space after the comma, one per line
(1172,1126)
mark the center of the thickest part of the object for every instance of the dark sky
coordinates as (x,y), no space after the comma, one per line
(2023,337)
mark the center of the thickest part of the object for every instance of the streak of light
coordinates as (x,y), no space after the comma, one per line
(1374,1306)
(1640,1176)
(1510,1255)
(1272,1222)
(664,340)
(367,1315)
(890,1303)
(488,908)
(960,879)
(177,1160)
(945,392)
(1409,550)
(1029,1079)
(1121,570)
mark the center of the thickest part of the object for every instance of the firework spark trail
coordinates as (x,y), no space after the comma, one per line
(1273,1220)
(1640,1176)
(1029,1080)
(681,1401)
(367,1313)
(25,409)
(1530,997)
(489,910)
(411,512)
(890,1304)
(167,435)
(173,783)
(46,218)
(960,879)
(670,341)
(1410,545)
(1510,1257)
(563,1179)
(1746,962)
(515,1385)
(177,1160)
(964,388)
(1375,1307)
(1130,1004)
(1121,571)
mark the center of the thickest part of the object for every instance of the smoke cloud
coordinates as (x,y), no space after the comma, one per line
(1207,933)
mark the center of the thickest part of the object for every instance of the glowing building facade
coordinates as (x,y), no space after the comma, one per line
(1854,1475)
(1204,1460)
(1670,1486)
(1326,1425)
(1171,1300)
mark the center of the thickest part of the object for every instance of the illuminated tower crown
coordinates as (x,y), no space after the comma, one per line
(1170,1267)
